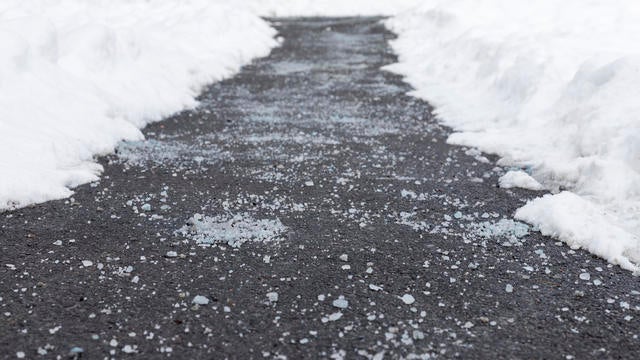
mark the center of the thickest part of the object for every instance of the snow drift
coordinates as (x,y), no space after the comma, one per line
(550,86)
(77,76)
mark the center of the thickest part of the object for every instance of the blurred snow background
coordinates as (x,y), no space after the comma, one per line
(550,86)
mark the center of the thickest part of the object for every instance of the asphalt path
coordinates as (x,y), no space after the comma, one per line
(308,208)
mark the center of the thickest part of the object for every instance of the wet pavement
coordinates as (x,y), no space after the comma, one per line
(308,208)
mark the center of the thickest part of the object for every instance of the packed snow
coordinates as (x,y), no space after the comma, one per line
(582,224)
(519,179)
(77,76)
(547,85)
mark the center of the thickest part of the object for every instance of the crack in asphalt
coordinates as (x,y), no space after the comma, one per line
(308,208)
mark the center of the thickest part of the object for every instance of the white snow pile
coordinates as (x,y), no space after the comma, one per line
(519,179)
(232,230)
(77,76)
(549,85)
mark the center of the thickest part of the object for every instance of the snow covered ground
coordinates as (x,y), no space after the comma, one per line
(550,86)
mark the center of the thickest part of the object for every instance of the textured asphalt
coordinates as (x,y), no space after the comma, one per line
(349,181)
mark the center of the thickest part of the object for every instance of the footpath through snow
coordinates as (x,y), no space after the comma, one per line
(551,87)
(77,76)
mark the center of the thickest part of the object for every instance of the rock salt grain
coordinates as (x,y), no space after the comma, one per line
(408,299)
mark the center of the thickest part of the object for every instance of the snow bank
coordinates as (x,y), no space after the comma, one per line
(76,76)
(548,85)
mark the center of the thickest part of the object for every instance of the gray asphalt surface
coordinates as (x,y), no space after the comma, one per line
(343,197)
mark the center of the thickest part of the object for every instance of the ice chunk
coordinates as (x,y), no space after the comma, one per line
(408,299)
(340,303)
(585,276)
(200,300)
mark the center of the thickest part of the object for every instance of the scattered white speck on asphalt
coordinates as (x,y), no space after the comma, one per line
(128,349)
(171,254)
(272,296)
(374,287)
(344,257)
(585,276)
(624,305)
(508,288)
(340,303)
(87,263)
(200,300)
(408,299)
